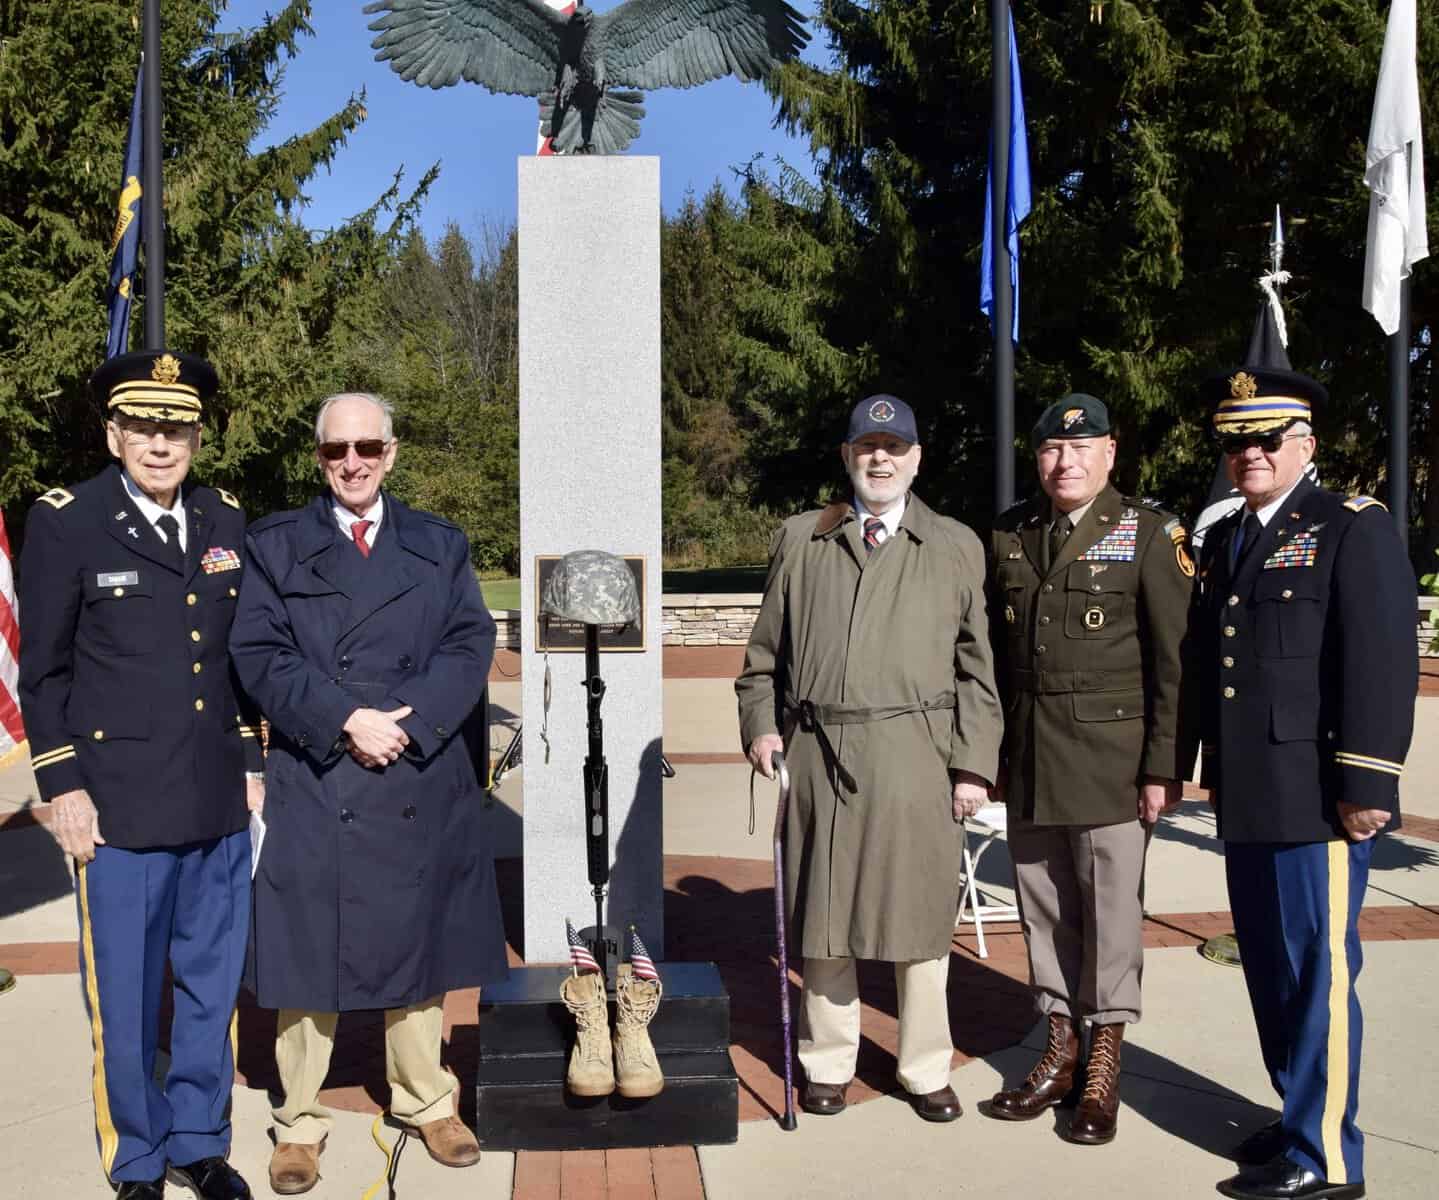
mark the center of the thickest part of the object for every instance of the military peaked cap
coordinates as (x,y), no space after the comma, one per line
(1258,399)
(155,385)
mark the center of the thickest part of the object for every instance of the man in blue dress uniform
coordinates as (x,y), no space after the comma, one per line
(141,743)
(1303,680)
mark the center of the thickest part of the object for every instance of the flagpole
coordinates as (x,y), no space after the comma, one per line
(1002,320)
(1399,417)
(152,216)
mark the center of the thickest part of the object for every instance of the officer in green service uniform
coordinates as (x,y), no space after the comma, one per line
(1090,593)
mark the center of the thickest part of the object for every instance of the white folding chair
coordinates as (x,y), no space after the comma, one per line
(974,909)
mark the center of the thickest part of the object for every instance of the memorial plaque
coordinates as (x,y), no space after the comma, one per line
(568,637)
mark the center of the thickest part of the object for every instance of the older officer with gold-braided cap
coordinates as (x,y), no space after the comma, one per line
(141,744)
(1303,678)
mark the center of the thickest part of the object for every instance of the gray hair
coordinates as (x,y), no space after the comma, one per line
(1301,429)
(387,413)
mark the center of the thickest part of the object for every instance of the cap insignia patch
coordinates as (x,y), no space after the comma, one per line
(881,411)
(1243,386)
(1072,417)
(166,369)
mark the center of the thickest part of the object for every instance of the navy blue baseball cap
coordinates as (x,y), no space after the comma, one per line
(882,414)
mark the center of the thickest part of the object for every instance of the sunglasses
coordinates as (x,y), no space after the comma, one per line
(1270,443)
(366,448)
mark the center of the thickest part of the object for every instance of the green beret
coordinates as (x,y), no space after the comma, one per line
(1076,416)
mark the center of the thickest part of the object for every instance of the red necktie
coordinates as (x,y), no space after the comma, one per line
(873,527)
(357,531)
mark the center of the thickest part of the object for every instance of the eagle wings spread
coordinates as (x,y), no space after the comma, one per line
(586,68)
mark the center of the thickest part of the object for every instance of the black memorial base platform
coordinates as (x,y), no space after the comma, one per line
(525,1039)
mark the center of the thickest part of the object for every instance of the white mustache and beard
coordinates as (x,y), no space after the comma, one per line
(880,486)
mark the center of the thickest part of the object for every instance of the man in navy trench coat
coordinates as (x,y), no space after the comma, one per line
(362,635)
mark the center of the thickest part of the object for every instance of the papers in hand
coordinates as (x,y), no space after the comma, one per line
(257,839)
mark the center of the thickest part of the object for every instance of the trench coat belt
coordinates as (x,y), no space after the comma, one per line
(812,718)
(1056,683)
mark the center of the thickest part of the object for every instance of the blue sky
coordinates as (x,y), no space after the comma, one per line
(698,133)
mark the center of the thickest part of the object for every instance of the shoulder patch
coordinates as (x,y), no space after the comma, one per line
(57,497)
(1360,503)
(227,498)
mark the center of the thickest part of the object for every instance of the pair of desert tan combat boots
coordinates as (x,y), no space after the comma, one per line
(633,1070)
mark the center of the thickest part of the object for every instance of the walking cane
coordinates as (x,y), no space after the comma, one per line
(787,1122)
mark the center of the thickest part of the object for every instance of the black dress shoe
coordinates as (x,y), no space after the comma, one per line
(1284,1179)
(212,1179)
(942,1105)
(824,1099)
(135,1190)
(1260,1146)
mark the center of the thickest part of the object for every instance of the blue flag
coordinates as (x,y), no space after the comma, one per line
(125,246)
(1017,202)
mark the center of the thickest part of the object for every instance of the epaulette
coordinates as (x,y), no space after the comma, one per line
(1360,503)
(227,498)
(57,497)
(287,516)
(443,522)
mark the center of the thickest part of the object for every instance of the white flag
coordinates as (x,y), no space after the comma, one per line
(1394,172)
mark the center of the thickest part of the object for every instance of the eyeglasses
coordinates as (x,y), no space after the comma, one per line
(142,434)
(1270,443)
(366,448)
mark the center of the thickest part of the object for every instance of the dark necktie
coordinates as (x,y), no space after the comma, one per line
(170,527)
(1058,535)
(1245,538)
(357,531)
(873,528)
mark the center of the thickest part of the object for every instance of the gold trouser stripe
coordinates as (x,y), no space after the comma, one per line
(1336,1088)
(104,1126)
(235,1038)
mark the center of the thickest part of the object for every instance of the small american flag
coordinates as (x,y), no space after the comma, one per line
(580,957)
(640,961)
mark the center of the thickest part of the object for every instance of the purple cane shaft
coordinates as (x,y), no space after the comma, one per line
(788,1121)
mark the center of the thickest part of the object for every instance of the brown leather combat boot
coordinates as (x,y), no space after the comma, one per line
(1051,1082)
(1096,1118)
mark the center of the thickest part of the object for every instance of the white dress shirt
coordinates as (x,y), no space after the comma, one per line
(374,514)
(891,518)
(152,512)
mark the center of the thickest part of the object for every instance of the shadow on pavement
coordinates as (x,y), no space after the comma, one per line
(33,870)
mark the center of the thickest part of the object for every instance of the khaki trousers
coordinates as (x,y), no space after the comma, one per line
(829,1022)
(420,1089)
(1081,899)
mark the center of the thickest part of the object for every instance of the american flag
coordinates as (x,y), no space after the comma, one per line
(12,731)
(640,961)
(580,957)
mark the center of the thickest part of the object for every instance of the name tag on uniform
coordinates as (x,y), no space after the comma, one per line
(110,579)
(218,559)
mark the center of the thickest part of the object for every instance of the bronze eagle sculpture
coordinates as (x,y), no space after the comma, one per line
(587,69)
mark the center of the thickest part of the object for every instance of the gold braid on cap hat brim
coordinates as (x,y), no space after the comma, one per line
(151,400)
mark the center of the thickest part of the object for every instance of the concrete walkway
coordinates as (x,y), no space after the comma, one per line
(1192,1084)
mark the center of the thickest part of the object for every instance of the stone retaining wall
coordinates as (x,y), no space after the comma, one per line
(726,620)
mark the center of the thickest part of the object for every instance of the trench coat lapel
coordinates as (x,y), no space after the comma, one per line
(838,521)
(128,526)
(1102,516)
(389,572)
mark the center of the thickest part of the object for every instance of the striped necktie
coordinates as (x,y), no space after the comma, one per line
(873,532)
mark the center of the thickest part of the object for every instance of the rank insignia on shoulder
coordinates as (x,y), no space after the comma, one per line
(57,497)
(1360,503)
(227,498)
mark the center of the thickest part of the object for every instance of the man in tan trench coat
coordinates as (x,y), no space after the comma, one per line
(870,666)
(1090,600)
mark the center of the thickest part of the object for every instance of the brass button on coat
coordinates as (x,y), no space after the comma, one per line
(99,735)
(199,706)
(1228,662)
(1233,600)
(1229,693)
(194,635)
(118,592)
(1230,631)
(1287,593)
(190,599)
(196,668)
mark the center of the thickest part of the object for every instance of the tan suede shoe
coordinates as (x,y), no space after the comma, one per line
(295,1167)
(449,1142)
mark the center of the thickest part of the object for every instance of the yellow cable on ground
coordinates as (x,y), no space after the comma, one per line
(392,1159)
